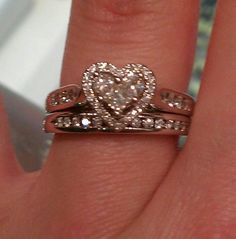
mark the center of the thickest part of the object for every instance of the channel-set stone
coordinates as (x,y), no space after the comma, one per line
(159,123)
(97,122)
(177,125)
(75,121)
(67,122)
(85,122)
(169,124)
(59,122)
(148,123)
(136,123)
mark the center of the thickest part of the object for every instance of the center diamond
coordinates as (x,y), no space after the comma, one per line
(119,93)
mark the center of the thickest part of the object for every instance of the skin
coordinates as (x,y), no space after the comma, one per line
(134,186)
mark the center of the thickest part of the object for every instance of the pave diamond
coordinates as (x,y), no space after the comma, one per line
(53,100)
(177,125)
(67,122)
(97,122)
(63,95)
(59,122)
(148,123)
(136,123)
(183,126)
(176,100)
(159,123)
(76,121)
(169,124)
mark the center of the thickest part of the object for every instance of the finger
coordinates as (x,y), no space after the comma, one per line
(102,175)
(9,167)
(197,199)
(215,110)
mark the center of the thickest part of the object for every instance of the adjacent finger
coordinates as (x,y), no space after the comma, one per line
(215,112)
(102,175)
(9,166)
(197,198)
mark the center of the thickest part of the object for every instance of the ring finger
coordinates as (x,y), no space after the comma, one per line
(101,175)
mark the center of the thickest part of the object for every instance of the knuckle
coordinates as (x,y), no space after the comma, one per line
(122,7)
(115,21)
(114,11)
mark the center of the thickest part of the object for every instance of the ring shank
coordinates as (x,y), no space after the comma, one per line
(166,100)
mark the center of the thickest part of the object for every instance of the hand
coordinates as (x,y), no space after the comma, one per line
(135,186)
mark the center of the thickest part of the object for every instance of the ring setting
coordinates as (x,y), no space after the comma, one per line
(118,100)
(118,95)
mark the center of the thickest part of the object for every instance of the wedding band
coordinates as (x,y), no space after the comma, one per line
(86,122)
(118,98)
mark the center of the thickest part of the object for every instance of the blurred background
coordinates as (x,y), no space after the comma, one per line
(32,39)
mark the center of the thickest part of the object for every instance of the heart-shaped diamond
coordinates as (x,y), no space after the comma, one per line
(118,95)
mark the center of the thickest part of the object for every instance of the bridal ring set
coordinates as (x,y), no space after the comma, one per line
(113,100)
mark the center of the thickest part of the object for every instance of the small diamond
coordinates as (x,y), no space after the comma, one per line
(126,120)
(159,123)
(87,86)
(54,103)
(59,122)
(97,122)
(140,110)
(67,100)
(171,103)
(102,65)
(146,99)
(151,88)
(53,100)
(119,126)
(169,124)
(186,106)
(90,98)
(63,100)
(134,112)
(62,97)
(178,102)
(75,121)
(85,123)
(67,122)
(136,123)
(177,125)
(183,126)
(92,68)
(148,123)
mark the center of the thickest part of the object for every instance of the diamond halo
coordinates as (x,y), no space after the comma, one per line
(118,95)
